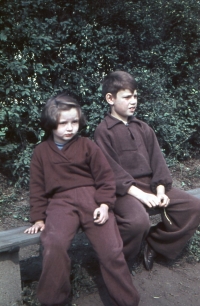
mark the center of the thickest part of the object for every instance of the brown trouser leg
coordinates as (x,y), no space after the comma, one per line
(179,222)
(61,225)
(63,218)
(133,222)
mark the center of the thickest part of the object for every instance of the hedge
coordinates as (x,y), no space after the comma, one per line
(50,46)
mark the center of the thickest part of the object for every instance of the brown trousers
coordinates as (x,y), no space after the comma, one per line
(179,222)
(66,212)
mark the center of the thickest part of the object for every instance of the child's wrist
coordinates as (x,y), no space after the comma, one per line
(39,221)
(160,190)
(104,206)
(136,192)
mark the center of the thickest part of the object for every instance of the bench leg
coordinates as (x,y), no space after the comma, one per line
(10,278)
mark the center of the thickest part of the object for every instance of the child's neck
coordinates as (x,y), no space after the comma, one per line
(124,121)
(61,145)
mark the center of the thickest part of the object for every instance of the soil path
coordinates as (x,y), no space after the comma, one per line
(162,287)
(169,283)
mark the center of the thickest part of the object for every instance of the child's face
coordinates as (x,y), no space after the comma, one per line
(68,126)
(124,105)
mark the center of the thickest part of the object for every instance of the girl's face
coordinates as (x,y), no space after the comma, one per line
(68,125)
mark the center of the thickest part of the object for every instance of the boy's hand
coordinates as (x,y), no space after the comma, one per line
(163,198)
(101,214)
(35,228)
(149,199)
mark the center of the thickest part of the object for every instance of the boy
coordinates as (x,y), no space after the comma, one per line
(143,181)
(72,185)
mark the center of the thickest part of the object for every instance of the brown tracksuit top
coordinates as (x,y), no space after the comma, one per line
(136,159)
(54,171)
(66,187)
(133,152)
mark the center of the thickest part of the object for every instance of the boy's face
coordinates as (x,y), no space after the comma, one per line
(124,105)
(68,125)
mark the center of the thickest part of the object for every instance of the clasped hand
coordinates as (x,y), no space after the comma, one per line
(151,200)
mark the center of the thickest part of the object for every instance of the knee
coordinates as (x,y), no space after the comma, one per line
(138,225)
(52,245)
(194,207)
(196,212)
(111,256)
(197,206)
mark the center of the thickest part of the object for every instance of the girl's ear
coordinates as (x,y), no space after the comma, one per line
(110,98)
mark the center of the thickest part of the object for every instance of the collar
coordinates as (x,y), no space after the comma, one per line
(54,146)
(112,121)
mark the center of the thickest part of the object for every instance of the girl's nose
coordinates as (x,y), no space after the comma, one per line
(69,126)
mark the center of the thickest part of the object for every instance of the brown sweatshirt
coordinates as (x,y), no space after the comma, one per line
(80,163)
(133,152)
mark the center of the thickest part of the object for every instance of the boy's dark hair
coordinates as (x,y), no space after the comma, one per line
(52,110)
(116,81)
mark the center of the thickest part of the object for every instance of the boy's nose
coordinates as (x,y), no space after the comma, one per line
(133,100)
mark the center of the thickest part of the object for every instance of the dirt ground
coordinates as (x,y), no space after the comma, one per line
(169,283)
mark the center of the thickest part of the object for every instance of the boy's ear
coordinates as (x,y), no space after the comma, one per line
(109,98)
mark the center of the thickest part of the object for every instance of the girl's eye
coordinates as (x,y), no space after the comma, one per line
(75,121)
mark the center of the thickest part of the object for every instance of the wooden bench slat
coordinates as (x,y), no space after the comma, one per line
(14,238)
(194,192)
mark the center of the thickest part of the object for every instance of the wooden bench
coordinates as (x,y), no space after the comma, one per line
(10,243)
(10,278)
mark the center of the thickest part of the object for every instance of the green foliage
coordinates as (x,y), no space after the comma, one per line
(173,113)
(47,48)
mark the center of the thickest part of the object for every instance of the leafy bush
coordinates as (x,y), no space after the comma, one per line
(71,45)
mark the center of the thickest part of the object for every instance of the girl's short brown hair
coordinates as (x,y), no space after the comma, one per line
(116,81)
(53,108)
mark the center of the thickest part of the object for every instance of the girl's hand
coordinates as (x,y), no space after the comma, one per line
(101,214)
(35,228)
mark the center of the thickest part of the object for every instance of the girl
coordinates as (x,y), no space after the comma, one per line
(72,185)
